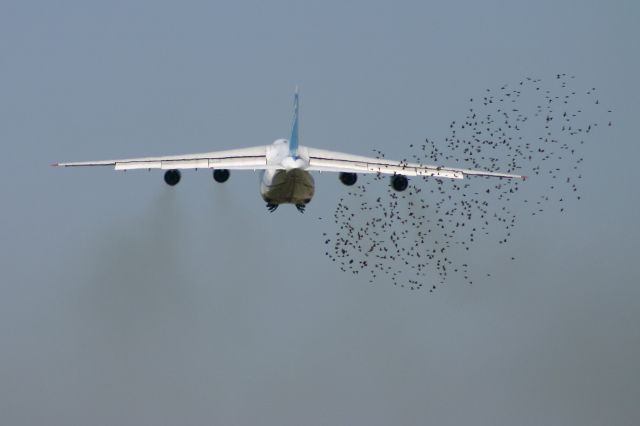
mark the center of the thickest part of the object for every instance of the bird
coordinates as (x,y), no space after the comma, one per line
(415,243)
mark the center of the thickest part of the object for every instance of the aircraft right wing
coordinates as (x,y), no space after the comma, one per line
(332,161)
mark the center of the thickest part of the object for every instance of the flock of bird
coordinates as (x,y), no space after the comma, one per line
(428,234)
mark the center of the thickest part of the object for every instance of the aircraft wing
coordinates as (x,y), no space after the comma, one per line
(245,158)
(331,161)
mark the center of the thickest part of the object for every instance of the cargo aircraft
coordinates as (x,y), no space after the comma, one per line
(285,167)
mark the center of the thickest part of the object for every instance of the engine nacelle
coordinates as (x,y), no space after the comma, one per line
(172,177)
(399,182)
(221,175)
(348,179)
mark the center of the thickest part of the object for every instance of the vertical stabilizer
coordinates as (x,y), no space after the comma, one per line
(293,140)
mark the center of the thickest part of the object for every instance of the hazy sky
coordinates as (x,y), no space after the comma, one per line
(126,302)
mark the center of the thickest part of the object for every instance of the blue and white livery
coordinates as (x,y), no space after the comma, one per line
(286,167)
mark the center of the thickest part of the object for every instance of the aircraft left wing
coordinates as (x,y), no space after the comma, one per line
(331,161)
(245,158)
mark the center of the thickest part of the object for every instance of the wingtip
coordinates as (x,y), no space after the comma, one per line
(55,164)
(525,177)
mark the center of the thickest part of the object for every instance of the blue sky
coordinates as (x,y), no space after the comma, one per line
(123,301)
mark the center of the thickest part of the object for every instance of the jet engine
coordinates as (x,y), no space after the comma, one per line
(399,182)
(348,179)
(172,177)
(221,175)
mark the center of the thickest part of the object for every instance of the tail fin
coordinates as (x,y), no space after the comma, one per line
(293,141)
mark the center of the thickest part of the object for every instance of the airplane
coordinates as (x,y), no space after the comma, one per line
(285,167)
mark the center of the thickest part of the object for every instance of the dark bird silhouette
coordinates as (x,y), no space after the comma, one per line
(424,236)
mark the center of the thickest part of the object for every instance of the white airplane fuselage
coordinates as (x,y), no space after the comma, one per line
(285,166)
(287,182)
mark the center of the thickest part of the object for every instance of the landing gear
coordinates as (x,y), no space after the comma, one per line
(272,207)
(301,207)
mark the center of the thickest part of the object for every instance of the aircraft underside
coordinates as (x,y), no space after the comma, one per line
(295,186)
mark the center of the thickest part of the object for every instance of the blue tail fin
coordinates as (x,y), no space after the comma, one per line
(293,141)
